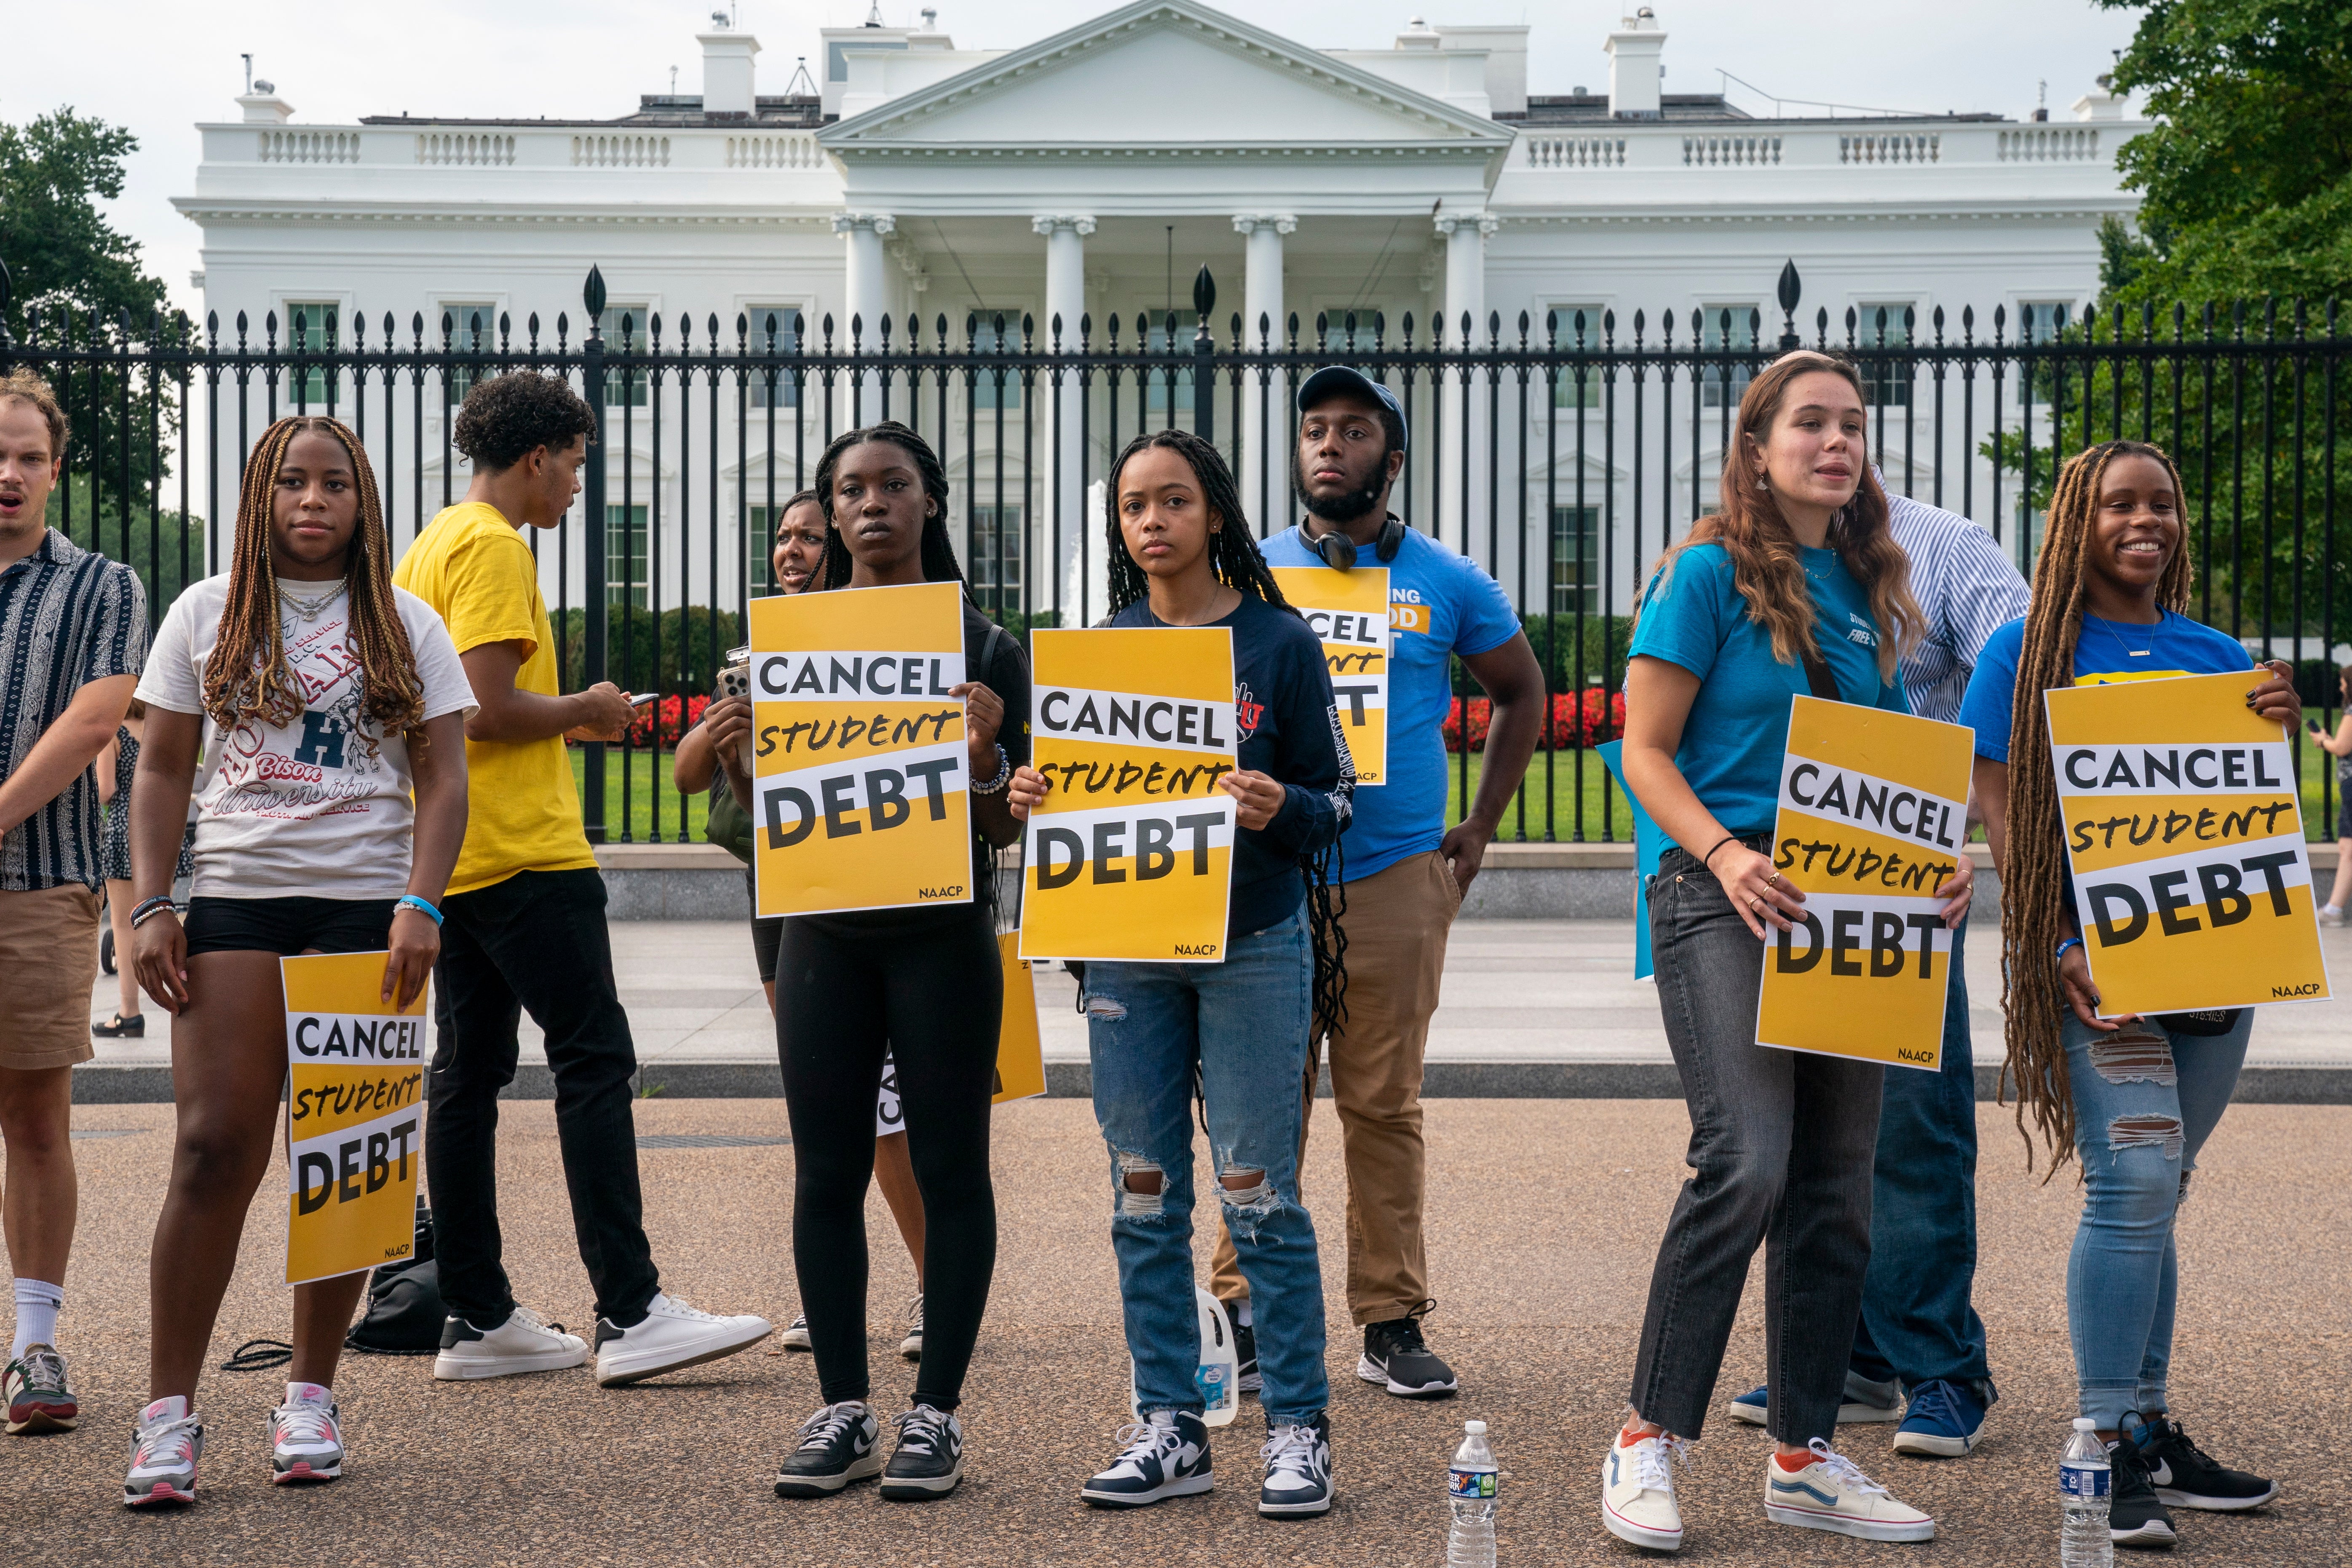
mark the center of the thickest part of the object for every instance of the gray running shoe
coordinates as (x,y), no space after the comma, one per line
(164,1455)
(37,1396)
(306,1437)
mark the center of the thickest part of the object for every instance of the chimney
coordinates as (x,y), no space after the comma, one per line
(262,106)
(727,83)
(1634,68)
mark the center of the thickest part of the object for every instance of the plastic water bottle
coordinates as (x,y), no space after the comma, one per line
(2083,1477)
(1470,1486)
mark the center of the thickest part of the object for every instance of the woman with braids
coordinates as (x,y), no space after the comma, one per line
(1180,554)
(924,985)
(1794,586)
(710,756)
(311,701)
(2134,1099)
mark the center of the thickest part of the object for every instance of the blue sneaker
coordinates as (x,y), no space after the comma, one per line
(1946,1418)
(1865,1401)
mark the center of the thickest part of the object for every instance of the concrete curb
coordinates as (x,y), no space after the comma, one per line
(97,1084)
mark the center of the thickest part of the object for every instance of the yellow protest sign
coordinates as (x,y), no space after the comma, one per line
(354,1116)
(1130,856)
(2184,836)
(1872,817)
(1350,611)
(1020,1048)
(860,786)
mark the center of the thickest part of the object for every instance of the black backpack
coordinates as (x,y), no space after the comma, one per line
(404,1312)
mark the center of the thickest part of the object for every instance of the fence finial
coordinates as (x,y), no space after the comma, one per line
(1204,294)
(591,294)
(1792,291)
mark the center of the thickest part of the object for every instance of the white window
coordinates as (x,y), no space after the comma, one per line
(1571,390)
(1726,327)
(994,568)
(471,326)
(1575,559)
(624,330)
(625,567)
(757,343)
(2038,321)
(311,327)
(987,340)
(1885,325)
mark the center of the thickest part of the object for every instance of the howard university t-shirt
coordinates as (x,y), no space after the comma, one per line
(1440,604)
(321,808)
(2106,652)
(1737,729)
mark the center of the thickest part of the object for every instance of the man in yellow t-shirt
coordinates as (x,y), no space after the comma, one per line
(523,926)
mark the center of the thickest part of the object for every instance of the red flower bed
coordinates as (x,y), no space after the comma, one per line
(1583,718)
(675,716)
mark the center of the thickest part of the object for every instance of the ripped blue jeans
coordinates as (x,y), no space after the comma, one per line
(2146,1099)
(1244,1023)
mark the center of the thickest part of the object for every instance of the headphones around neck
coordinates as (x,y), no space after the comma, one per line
(1338,552)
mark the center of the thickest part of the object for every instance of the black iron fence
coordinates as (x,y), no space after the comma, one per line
(1561,453)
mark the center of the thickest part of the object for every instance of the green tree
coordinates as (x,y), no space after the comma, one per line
(61,250)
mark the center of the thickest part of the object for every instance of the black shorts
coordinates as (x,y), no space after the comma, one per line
(288,926)
(2344,812)
(767,935)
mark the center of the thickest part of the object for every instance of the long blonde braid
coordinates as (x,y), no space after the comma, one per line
(246,677)
(2034,873)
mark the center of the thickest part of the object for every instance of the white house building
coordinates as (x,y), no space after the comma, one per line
(1092,172)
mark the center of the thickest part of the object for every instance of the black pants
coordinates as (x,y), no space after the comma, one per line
(934,990)
(536,941)
(1780,1154)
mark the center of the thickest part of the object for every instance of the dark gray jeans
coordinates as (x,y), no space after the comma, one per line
(1780,1151)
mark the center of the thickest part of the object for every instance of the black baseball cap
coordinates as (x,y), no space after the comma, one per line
(1346,380)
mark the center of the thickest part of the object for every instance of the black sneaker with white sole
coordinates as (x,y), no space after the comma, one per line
(2185,1475)
(1297,1470)
(1245,1373)
(840,1444)
(929,1459)
(1165,1456)
(1399,1359)
(2136,1515)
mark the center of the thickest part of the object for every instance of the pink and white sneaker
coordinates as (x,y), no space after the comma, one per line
(164,1454)
(306,1437)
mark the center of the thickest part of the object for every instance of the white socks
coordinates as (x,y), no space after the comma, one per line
(38,1303)
(1241,1312)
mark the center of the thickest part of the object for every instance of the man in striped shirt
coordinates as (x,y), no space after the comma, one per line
(73,637)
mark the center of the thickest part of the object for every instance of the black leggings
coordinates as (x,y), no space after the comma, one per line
(936,991)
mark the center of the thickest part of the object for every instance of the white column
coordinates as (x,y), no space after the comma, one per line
(1065,297)
(865,297)
(1464,438)
(1265,474)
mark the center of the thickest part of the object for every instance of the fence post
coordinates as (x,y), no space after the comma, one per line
(1205,352)
(592,552)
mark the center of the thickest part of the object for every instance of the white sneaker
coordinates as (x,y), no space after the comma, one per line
(164,1454)
(1832,1493)
(673,1335)
(306,1437)
(521,1343)
(1637,1491)
(796,1336)
(911,1347)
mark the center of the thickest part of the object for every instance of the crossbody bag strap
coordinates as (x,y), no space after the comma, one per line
(1817,675)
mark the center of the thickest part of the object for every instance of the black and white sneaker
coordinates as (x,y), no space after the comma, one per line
(929,1460)
(1398,1358)
(840,1444)
(1245,1379)
(1165,1456)
(2136,1515)
(1297,1470)
(2187,1477)
(796,1336)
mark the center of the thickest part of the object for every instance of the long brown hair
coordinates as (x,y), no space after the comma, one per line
(2033,872)
(246,677)
(1765,564)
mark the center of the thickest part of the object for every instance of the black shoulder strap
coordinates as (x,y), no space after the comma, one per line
(1818,676)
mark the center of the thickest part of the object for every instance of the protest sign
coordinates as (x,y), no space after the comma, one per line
(1872,818)
(354,1116)
(1348,612)
(1130,855)
(2184,838)
(1020,1048)
(860,780)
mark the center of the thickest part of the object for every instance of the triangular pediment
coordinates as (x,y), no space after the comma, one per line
(1170,74)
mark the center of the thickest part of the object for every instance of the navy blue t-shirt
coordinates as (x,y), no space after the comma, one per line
(1288,729)
(2106,652)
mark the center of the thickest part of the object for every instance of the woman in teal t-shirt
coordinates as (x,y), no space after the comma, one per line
(2134,1099)
(1795,585)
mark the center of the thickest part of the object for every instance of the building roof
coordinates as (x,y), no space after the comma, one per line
(670,111)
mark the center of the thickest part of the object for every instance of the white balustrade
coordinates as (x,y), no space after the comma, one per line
(1900,149)
(620,152)
(2048,144)
(478,150)
(774,153)
(309,147)
(1576,151)
(1717,150)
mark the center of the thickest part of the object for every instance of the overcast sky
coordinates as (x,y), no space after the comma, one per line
(159,66)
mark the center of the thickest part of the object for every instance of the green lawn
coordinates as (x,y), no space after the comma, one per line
(629,808)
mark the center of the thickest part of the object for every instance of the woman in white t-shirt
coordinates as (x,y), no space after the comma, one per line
(323,698)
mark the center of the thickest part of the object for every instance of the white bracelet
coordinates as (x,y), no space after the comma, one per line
(1004,774)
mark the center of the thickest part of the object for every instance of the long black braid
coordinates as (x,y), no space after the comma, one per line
(1235,556)
(939,564)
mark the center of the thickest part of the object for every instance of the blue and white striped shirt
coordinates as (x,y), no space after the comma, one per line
(1966,589)
(66,618)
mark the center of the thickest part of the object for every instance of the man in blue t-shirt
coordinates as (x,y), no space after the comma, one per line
(1405,871)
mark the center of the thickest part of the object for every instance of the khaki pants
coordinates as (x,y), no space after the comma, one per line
(48,950)
(1396,924)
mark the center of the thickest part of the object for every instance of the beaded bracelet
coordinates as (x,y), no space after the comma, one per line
(146,906)
(411,902)
(1004,774)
